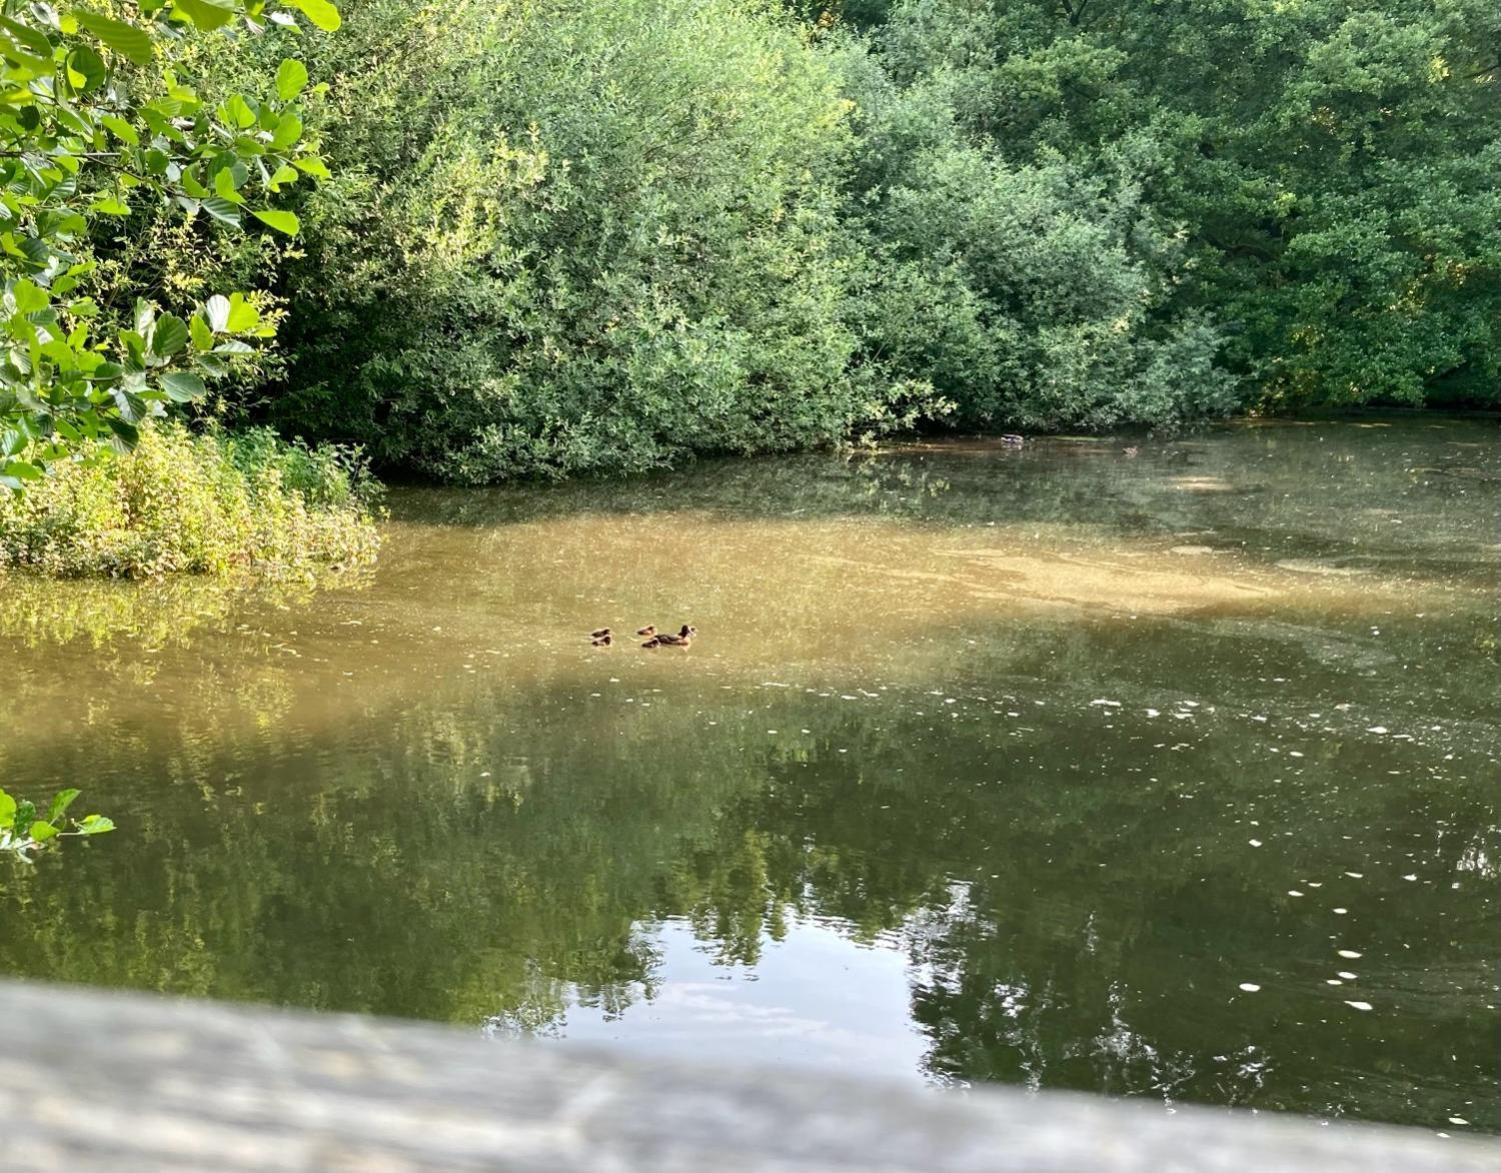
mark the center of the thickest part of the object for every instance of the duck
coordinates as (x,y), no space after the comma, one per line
(1012,440)
(603,641)
(649,630)
(682,639)
(599,633)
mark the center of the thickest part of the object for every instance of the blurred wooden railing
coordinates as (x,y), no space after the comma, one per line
(92,1080)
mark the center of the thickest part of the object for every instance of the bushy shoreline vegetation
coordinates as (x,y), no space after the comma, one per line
(195,504)
(566,238)
(539,238)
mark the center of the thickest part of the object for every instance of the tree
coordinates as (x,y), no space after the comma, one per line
(98,116)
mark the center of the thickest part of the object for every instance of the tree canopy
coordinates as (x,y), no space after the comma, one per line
(555,238)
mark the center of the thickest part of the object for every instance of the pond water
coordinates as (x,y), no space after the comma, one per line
(1158,768)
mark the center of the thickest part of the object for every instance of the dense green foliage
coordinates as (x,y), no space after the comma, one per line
(1330,166)
(96,119)
(580,238)
(564,237)
(204,504)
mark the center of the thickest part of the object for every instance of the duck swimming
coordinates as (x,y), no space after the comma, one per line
(682,639)
(603,641)
(599,633)
(649,630)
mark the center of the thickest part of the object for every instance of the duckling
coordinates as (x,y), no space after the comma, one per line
(603,641)
(654,642)
(599,633)
(649,630)
(682,639)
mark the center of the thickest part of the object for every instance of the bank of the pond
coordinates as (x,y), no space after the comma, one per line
(210,504)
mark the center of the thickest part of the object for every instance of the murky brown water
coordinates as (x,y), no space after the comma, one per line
(986,764)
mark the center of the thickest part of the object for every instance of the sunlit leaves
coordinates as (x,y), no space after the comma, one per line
(281,221)
(22,832)
(204,13)
(97,135)
(291,78)
(320,12)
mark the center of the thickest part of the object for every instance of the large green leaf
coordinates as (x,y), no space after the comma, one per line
(89,66)
(291,78)
(222,210)
(204,13)
(170,336)
(121,129)
(320,12)
(242,314)
(288,131)
(286,222)
(217,311)
(128,40)
(60,803)
(183,387)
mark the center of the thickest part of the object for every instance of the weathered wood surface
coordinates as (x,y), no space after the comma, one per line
(96,1081)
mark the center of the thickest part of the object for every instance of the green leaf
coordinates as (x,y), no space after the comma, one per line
(89,66)
(191,185)
(281,221)
(95,825)
(320,12)
(125,436)
(217,310)
(42,832)
(237,112)
(242,315)
(121,129)
(182,387)
(224,184)
(60,803)
(33,38)
(128,40)
(203,337)
(222,210)
(111,205)
(170,336)
(204,14)
(7,811)
(312,165)
(287,132)
(28,297)
(291,77)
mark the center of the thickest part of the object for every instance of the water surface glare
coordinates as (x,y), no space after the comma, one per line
(1168,773)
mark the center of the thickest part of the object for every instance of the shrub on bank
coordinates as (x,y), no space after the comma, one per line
(198,504)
